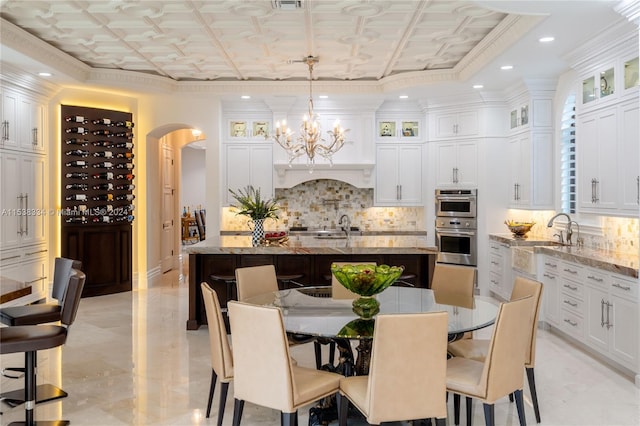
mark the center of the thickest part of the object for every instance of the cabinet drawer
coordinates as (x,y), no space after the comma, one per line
(572,324)
(496,263)
(572,288)
(495,281)
(551,264)
(624,287)
(596,278)
(572,271)
(572,304)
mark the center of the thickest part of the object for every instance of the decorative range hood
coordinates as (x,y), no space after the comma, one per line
(359,175)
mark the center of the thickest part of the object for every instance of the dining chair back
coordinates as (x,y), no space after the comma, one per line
(200,224)
(453,285)
(407,374)
(501,372)
(338,291)
(254,280)
(263,370)
(221,355)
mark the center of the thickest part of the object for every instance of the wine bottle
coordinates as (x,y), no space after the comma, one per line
(103,121)
(103,197)
(128,197)
(105,186)
(102,219)
(127,176)
(127,145)
(103,210)
(125,124)
(104,165)
(105,154)
(106,144)
(127,207)
(76,197)
(127,155)
(78,130)
(78,163)
(105,175)
(127,135)
(76,119)
(128,166)
(125,187)
(102,132)
(76,175)
(78,152)
(79,186)
(76,219)
(75,141)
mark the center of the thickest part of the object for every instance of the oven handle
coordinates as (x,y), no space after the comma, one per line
(441,198)
(471,234)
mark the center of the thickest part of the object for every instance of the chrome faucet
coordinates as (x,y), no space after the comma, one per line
(346,227)
(569,229)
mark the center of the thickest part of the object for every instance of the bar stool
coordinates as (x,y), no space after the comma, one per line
(229,281)
(403,280)
(288,279)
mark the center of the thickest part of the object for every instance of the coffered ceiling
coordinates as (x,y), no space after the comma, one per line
(264,40)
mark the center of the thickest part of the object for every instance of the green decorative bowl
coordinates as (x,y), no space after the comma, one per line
(366,280)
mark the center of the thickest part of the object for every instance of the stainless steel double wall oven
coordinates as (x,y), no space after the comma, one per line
(456,226)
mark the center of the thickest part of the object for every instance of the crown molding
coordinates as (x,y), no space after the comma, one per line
(27,82)
(629,9)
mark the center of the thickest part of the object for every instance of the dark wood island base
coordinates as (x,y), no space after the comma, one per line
(314,265)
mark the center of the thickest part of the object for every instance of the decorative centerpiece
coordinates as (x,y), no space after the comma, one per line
(366,281)
(519,229)
(251,204)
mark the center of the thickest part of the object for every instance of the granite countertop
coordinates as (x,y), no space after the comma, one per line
(620,263)
(306,244)
(510,240)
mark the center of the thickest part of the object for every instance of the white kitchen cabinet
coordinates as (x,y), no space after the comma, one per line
(456,164)
(23,195)
(249,164)
(629,156)
(398,175)
(550,279)
(450,125)
(500,272)
(10,101)
(599,86)
(597,165)
(23,122)
(405,130)
(572,299)
(531,170)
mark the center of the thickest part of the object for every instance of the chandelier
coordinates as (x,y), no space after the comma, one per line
(310,141)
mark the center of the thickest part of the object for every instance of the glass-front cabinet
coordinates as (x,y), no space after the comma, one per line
(598,86)
(631,74)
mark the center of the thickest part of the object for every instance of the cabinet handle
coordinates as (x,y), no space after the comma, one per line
(609,305)
(593,191)
(400,186)
(5,130)
(34,133)
(571,323)
(457,177)
(397,192)
(572,304)
(602,323)
(26,217)
(550,276)
(36,252)
(36,280)
(494,263)
(550,265)
(597,193)
(621,287)
(570,287)
(571,271)
(20,199)
(596,279)
(9,258)
(637,189)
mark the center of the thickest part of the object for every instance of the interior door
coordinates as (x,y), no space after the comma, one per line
(168,209)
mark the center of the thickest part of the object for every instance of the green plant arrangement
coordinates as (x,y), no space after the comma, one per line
(250,203)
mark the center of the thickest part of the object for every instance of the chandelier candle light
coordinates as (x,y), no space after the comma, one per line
(309,142)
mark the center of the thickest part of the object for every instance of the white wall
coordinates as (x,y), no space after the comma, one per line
(193,178)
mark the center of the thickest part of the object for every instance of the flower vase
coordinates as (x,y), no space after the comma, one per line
(257,235)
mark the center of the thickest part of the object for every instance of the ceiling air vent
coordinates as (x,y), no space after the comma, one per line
(286,4)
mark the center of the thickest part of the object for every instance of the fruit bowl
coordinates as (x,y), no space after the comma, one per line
(275,238)
(519,229)
(366,280)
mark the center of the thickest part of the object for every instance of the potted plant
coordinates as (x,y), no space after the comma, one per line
(250,203)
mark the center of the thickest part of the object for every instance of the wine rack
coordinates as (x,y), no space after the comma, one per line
(98,167)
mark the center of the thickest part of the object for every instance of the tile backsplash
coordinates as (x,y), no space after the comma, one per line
(320,203)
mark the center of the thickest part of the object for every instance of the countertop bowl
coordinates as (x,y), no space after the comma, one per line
(519,229)
(366,280)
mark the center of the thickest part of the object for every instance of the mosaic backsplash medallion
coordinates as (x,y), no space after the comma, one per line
(319,204)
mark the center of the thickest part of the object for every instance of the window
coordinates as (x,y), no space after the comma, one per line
(568,156)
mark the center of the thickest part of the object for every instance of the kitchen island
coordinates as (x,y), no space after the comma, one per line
(304,255)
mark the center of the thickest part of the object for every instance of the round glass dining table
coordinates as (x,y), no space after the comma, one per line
(311,311)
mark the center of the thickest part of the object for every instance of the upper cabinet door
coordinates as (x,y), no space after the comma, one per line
(630,157)
(9,131)
(448,125)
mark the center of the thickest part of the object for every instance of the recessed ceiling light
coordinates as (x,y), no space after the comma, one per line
(404,96)
(323,96)
(546,39)
(478,86)
(245,97)
(506,67)
(44,74)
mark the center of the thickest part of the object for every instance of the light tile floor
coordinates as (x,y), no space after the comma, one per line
(129,360)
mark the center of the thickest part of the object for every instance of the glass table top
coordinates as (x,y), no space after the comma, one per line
(312,311)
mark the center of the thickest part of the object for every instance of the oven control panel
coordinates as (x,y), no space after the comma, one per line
(455,223)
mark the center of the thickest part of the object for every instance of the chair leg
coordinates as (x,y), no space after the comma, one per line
(224,389)
(469,410)
(212,387)
(318,350)
(511,397)
(489,415)
(238,405)
(456,409)
(520,406)
(332,352)
(289,419)
(29,386)
(534,395)
(343,409)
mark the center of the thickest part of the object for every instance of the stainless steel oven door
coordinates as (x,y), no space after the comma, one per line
(457,247)
(457,206)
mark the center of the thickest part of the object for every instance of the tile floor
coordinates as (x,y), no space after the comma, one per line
(129,360)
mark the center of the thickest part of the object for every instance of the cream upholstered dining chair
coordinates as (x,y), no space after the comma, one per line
(263,371)
(409,351)
(477,349)
(221,355)
(501,372)
(453,285)
(338,291)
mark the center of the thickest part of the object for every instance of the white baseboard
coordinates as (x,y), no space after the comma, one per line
(154,276)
